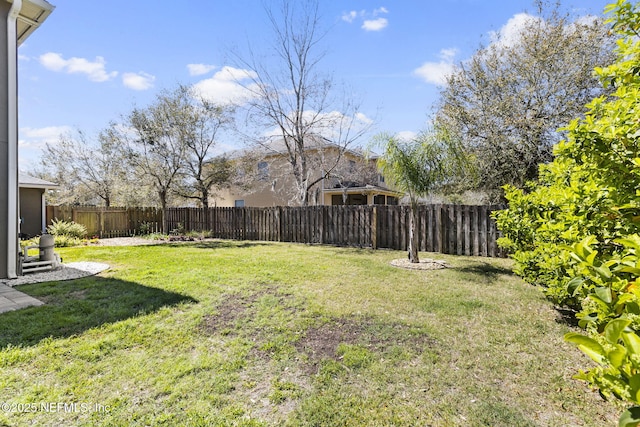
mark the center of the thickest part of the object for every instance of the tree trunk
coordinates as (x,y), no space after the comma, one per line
(413,233)
(163,203)
(205,206)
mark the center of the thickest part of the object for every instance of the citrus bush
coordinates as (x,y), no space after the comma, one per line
(575,233)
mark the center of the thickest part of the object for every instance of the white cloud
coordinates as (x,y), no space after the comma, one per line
(31,142)
(370,20)
(448,54)
(511,32)
(375,24)
(363,118)
(200,69)
(40,136)
(138,81)
(330,124)
(94,70)
(407,135)
(349,16)
(587,20)
(227,86)
(437,72)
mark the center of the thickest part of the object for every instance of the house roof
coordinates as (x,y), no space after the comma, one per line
(276,146)
(366,189)
(32,14)
(27,181)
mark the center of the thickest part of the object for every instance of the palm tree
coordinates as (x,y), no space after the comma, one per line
(419,166)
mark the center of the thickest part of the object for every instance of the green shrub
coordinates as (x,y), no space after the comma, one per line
(145,228)
(67,228)
(575,233)
(63,241)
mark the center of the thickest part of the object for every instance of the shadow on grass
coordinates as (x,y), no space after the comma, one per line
(218,244)
(485,269)
(74,306)
(566,316)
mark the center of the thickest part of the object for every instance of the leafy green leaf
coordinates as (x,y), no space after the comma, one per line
(589,346)
(617,356)
(630,417)
(614,329)
(631,342)
(575,285)
(604,293)
(603,272)
(634,384)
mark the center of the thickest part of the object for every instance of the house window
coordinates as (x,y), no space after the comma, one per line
(352,199)
(263,171)
(357,199)
(379,199)
(352,166)
(239,204)
(381,178)
(392,200)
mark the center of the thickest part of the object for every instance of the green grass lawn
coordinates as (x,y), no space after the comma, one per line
(267,334)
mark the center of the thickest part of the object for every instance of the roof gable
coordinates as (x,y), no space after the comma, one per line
(27,181)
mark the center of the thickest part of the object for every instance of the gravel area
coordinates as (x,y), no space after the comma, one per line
(68,271)
(126,241)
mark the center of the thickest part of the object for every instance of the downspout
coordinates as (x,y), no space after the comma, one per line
(12,179)
(43,204)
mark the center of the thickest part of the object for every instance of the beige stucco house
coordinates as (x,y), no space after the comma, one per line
(341,177)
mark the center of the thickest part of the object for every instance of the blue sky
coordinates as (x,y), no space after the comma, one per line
(93,61)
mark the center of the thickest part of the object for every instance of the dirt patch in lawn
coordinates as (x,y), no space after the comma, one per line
(321,342)
(237,307)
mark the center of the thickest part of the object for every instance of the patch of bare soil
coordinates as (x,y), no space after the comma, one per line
(236,307)
(322,342)
(424,264)
(229,311)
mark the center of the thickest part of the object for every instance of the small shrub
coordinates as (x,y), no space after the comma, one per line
(67,228)
(157,236)
(145,228)
(197,235)
(63,241)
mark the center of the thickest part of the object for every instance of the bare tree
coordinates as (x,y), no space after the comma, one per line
(157,144)
(294,101)
(201,121)
(87,170)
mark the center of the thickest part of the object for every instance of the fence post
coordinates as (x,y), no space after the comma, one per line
(374,227)
(437,213)
(244,223)
(101,222)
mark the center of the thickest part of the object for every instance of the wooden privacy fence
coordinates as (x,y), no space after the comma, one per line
(449,229)
(108,222)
